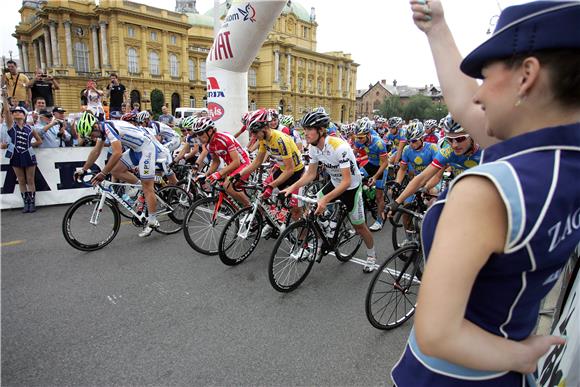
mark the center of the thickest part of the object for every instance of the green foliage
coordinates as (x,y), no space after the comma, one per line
(157,101)
(419,106)
(391,107)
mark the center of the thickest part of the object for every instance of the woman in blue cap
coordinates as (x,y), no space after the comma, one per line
(497,240)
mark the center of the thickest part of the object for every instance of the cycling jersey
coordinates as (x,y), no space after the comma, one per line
(432,138)
(336,155)
(164,131)
(281,147)
(221,144)
(395,139)
(374,149)
(129,135)
(418,160)
(458,163)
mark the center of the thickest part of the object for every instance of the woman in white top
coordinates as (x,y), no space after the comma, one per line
(95,100)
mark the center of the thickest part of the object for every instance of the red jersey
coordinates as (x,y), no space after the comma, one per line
(222,144)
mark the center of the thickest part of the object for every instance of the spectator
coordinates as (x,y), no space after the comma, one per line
(166,118)
(95,100)
(71,132)
(53,131)
(125,107)
(136,108)
(19,146)
(116,93)
(32,117)
(43,85)
(106,110)
(16,85)
(497,240)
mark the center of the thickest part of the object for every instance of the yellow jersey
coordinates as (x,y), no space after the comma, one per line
(280,146)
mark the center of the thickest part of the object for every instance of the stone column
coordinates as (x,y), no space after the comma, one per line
(184,60)
(54,44)
(68,40)
(25,56)
(21,54)
(104,48)
(95,39)
(47,49)
(37,56)
(348,78)
(288,70)
(276,66)
(340,80)
(164,57)
(144,54)
(43,55)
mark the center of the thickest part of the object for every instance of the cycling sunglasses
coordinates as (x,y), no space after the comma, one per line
(255,128)
(458,139)
(414,140)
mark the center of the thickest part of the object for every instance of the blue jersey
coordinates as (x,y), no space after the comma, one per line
(375,149)
(418,160)
(396,139)
(532,172)
(458,163)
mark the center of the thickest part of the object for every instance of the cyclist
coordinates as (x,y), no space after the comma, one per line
(430,135)
(191,145)
(288,122)
(162,132)
(141,151)
(396,137)
(460,153)
(225,147)
(282,149)
(345,178)
(376,152)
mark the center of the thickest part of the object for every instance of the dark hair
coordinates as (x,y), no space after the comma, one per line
(11,62)
(563,65)
(37,98)
(113,75)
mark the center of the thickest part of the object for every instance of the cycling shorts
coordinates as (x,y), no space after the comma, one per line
(276,172)
(352,199)
(145,159)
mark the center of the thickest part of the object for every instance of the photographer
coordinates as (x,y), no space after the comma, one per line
(16,83)
(95,100)
(43,85)
(53,132)
(69,131)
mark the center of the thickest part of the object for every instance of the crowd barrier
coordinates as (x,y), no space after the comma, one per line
(54,177)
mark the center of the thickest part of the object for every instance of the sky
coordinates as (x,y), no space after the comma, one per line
(379,34)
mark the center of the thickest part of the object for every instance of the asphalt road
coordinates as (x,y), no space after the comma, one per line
(152,311)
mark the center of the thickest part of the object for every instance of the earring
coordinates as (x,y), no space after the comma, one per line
(519,101)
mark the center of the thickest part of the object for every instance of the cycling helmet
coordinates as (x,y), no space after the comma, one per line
(202,125)
(381,120)
(188,122)
(287,121)
(315,119)
(451,126)
(319,109)
(245,117)
(258,120)
(363,127)
(394,122)
(429,124)
(415,131)
(85,124)
(441,121)
(273,114)
(129,116)
(143,116)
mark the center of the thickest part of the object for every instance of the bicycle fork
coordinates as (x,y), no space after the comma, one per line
(246,223)
(97,211)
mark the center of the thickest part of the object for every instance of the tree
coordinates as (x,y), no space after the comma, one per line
(417,108)
(157,101)
(391,107)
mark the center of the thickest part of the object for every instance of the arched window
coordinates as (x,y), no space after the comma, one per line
(252,77)
(191,101)
(132,61)
(191,64)
(173,65)
(205,101)
(81,57)
(154,63)
(202,71)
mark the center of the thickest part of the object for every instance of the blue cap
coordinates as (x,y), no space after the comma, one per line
(527,28)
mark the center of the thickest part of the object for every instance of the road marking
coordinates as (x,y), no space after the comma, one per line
(12,243)
(127,222)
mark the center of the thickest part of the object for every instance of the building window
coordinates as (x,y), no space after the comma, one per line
(154,63)
(309,84)
(252,105)
(300,84)
(154,35)
(191,101)
(132,61)
(173,65)
(328,89)
(130,31)
(191,65)
(319,86)
(81,57)
(305,32)
(205,102)
(173,39)
(252,77)
(202,70)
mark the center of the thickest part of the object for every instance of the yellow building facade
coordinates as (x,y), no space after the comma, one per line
(156,49)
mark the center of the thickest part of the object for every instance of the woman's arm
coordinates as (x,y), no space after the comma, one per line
(472,226)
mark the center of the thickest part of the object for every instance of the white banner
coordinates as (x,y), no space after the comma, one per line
(54,177)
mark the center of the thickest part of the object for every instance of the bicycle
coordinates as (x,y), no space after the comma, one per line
(296,249)
(403,230)
(242,232)
(391,297)
(101,211)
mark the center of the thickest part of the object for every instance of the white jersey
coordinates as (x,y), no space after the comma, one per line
(165,131)
(130,136)
(335,156)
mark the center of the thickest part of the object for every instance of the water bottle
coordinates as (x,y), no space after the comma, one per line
(127,199)
(140,204)
(325,224)
(331,228)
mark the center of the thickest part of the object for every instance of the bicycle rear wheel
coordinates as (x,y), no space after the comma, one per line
(171,213)
(240,237)
(204,223)
(293,256)
(85,236)
(392,294)
(348,241)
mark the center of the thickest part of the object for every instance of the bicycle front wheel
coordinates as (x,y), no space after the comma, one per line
(83,235)
(240,236)
(172,208)
(204,223)
(392,294)
(348,241)
(293,256)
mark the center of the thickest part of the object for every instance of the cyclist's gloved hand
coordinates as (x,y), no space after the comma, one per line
(214,177)
(392,208)
(98,178)
(79,173)
(267,192)
(396,189)
(181,162)
(235,178)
